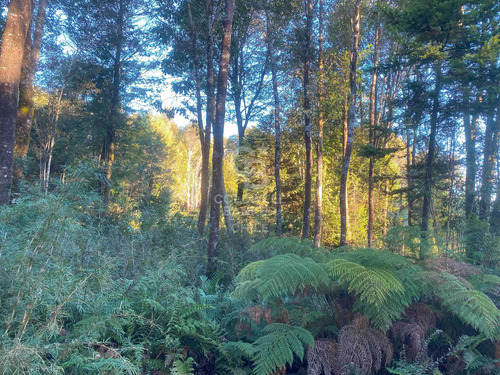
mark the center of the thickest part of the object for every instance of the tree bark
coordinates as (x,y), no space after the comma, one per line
(489,160)
(205,148)
(11,57)
(426,207)
(373,139)
(277,126)
(306,221)
(25,107)
(350,126)
(218,150)
(470,156)
(318,214)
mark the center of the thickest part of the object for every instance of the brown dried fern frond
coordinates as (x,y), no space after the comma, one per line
(412,336)
(454,267)
(362,349)
(421,314)
(322,357)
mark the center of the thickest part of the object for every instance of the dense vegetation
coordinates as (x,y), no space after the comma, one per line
(349,223)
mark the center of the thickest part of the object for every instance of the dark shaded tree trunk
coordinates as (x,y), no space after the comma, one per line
(26,90)
(431,153)
(373,139)
(218,150)
(306,221)
(209,119)
(11,58)
(277,126)
(109,141)
(495,213)
(470,156)
(350,124)
(318,214)
(489,161)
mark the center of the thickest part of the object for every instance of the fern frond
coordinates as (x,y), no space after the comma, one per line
(278,347)
(372,284)
(471,306)
(281,275)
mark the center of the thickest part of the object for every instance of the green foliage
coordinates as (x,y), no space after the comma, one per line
(280,276)
(470,305)
(278,347)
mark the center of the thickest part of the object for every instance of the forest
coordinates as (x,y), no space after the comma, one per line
(249,187)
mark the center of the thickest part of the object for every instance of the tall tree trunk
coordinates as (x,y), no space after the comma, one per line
(26,90)
(318,214)
(306,222)
(109,148)
(429,163)
(409,181)
(495,213)
(218,150)
(277,126)
(237,88)
(205,147)
(450,192)
(489,160)
(350,126)
(470,156)
(11,58)
(373,139)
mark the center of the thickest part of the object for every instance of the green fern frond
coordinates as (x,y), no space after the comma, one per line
(183,367)
(281,275)
(471,306)
(278,347)
(373,285)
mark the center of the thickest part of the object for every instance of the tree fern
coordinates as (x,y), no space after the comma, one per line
(280,276)
(471,306)
(373,285)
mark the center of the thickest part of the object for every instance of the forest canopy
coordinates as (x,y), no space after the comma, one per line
(256,187)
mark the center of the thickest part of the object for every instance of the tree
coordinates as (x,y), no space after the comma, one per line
(249,66)
(11,57)
(26,89)
(318,215)
(350,123)
(306,220)
(276,113)
(373,136)
(110,35)
(218,147)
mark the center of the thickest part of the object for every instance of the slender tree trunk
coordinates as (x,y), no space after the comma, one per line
(26,90)
(277,126)
(218,151)
(489,162)
(318,214)
(470,156)
(426,207)
(306,222)
(409,179)
(11,57)
(373,139)
(351,122)
(237,87)
(495,214)
(450,192)
(205,148)
(109,148)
